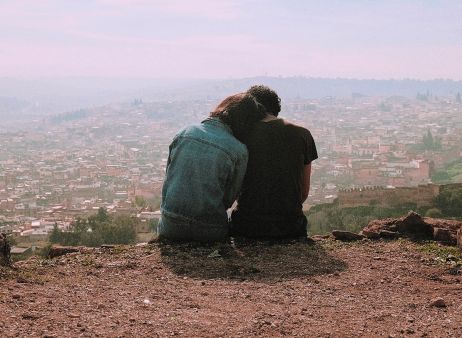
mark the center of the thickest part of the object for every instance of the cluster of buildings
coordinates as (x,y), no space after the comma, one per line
(368,141)
(70,165)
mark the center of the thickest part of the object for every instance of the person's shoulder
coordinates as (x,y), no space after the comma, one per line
(218,137)
(237,146)
(295,127)
(191,129)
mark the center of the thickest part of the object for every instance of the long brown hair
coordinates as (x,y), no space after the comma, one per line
(240,112)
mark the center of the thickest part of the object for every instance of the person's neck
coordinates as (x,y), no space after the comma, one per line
(269,117)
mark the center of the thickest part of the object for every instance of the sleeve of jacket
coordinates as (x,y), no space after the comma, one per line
(235,180)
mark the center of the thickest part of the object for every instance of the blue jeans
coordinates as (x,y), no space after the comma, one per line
(189,230)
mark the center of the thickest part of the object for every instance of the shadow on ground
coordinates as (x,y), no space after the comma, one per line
(249,260)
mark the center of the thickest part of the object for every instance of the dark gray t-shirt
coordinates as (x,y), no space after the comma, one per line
(272,188)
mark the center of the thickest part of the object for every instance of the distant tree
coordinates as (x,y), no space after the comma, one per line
(80,225)
(449,201)
(422,97)
(98,229)
(441,177)
(102,215)
(384,107)
(124,231)
(427,139)
(55,235)
(431,143)
(434,213)
(140,202)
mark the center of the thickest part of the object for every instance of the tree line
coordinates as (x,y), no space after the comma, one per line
(324,218)
(96,230)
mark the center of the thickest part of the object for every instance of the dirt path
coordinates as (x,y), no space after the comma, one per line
(323,290)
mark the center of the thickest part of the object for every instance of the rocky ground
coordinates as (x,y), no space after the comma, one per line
(327,289)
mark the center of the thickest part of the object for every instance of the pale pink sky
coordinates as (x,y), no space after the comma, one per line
(231,38)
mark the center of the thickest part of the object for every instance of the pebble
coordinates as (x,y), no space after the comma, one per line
(438,302)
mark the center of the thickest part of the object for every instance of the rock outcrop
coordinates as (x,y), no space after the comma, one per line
(56,250)
(342,235)
(416,227)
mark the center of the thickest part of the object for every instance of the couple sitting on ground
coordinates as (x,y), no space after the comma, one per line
(242,152)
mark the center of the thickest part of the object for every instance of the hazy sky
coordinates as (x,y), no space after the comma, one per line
(231,38)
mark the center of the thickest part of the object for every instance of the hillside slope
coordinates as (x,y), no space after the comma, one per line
(329,289)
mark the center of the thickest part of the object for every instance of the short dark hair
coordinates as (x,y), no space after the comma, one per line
(267,97)
(240,112)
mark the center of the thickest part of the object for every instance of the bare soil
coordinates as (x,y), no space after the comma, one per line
(327,289)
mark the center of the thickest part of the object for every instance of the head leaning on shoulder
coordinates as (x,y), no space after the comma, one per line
(267,97)
(240,112)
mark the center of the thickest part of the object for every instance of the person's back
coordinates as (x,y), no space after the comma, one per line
(205,169)
(198,188)
(274,188)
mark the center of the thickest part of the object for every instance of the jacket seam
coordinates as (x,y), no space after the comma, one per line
(211,144)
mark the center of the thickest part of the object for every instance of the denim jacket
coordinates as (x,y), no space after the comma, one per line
(205,170)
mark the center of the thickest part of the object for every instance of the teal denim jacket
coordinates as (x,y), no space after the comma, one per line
(205,170)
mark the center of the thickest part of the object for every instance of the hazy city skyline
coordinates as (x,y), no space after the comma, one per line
(231,38)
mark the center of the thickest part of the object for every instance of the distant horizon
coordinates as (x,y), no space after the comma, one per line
(65,77)
(231,39)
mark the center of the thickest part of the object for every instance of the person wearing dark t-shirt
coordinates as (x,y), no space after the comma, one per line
(277,180)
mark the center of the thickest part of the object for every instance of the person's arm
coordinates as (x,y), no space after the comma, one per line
(235,182)
(306,177)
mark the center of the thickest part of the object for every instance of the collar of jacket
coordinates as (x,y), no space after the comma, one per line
(217,122)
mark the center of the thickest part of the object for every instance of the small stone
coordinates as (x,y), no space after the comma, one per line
(438,302)
(107,246)
(214,254)
(443,235)
(16,296)
(451,258)
(342,235)
(30,315)
(388,234)
(56,251)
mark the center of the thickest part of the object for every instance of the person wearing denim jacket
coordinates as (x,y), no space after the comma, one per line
(205,170)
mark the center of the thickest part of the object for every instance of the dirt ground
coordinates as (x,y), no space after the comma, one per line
(327,289)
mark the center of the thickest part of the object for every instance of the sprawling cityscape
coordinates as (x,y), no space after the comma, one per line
(69,165)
